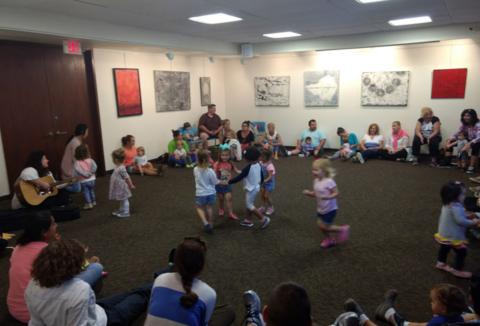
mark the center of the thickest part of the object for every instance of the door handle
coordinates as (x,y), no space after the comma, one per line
(50,134)
(59,133)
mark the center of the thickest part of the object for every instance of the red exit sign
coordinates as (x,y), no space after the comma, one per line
(72,47)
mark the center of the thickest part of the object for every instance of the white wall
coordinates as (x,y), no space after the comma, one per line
(420,60)
(151,130)
(4,188)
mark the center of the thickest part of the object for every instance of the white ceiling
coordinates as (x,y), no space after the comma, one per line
(312,18)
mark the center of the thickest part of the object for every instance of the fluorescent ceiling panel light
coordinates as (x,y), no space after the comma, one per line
(282,35)
(218,18)
(410,21)
(369,1)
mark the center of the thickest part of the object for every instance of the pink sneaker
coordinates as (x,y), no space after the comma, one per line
(344,233)
(262,210)
(269,211)
(232,216)
(221,212)
(327,243)
(461,274)
(444,267)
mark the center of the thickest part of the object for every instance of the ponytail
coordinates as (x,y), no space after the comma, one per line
(189,298)
(189,262)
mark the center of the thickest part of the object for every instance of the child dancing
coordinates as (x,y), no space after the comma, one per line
(325,191)
(205,182)
(452,226)
(268,170)
(224,169)
(253,177)
(120,184)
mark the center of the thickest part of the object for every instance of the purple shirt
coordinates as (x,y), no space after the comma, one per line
(473,132)
(324,188)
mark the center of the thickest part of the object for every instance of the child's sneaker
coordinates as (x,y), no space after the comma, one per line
(262,209)
(270,211)
(94,203)
(461,274)
(327,243)
(344,233)
(87,206)
(265,222)
(353,306)
(232,216)
(115,213)
(208,228)
(389,303)
(123,215)
(246,223)
(360,158)
(443,267)
(221,212)
(470,170)
(253,308)
(414,161)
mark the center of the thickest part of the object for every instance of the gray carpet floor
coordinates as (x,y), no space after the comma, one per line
(392,208)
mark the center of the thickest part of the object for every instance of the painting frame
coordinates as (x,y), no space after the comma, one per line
(442,80)
(385,88)
(172,91)
(272,91)
(127,104)
(205,91)
(317,86)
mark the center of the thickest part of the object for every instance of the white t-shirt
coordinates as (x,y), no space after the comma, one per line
(27,174)
(372,141)
(205,181)
(141,160)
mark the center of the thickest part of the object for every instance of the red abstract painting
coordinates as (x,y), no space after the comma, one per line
(449,83)
(127,91)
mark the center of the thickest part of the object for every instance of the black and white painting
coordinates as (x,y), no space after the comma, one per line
(205,91)
(172,90)
(272,91)
(385,88)
(321,88)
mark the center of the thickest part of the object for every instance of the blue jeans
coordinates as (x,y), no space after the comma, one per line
(91,274)
(74,187)
(123,309)
(88,189)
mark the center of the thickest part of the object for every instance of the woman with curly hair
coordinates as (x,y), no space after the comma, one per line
(55,296)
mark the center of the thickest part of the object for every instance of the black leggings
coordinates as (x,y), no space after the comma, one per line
(401,154)
(433,145)
(475,149)
(459,258)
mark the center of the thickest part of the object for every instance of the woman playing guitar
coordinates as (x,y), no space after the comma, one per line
(34,173)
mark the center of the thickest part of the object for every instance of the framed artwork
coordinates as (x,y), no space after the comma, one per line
(205,91)
(449,83)
(127,92)
(172,90)
(321,88)
(385,88)
(272,91)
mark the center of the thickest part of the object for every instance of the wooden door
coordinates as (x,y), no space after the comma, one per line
(44,95)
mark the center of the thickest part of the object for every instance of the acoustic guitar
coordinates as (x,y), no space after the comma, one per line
(32,195)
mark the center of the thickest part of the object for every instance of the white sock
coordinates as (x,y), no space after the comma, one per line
(389,313)
(405,323)
(363,318)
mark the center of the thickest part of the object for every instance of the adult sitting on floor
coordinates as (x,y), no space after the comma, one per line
(245,136)
(35,169)
(130,151)
(68,159)
(427,131)
(471,127)
(210,124)
(228,136)
(172,146)
(318,140)
(180,298)
(40,229)
(370,145)
(56,296)
(396,144)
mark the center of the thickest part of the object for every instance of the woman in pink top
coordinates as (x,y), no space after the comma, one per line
(40,229)
(128,144)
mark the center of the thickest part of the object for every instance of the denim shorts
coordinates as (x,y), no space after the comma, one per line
(223,189)
(328,217)
(205,200)
(270,185)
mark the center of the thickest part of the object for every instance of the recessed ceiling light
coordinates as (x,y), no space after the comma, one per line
(369,1)
(410,21)
(282,34)
(218,18)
